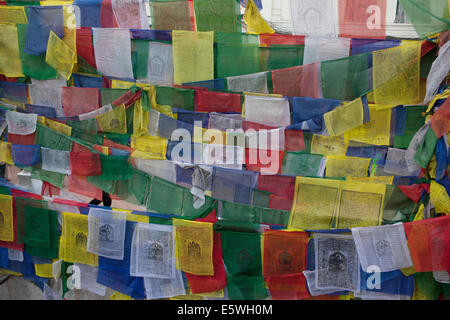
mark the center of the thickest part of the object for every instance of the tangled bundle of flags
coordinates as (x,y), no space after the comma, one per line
(208,157)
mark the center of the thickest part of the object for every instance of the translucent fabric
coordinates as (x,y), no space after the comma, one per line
(78,101)
(56,160)
(427,17)
(21,123)
(85,48)
(234,59)
(85,164)
(233,185)
(222,122)
(171,15)
(270,111)
(425,150)
(159,288)
(193,56)
(303,164)
(330,146)
(383,246)
(428,243)
(396,164)
(153,251)
(41,235)
(360,205)
(60,56)
(242,258)
(41,21)
(377,131)
(362,19)
(394,286)
(308,108)
(315,203)
(217,102)
(163,169)
(336,261)
(92,115)
(10,64)
(33,66)
(80,185)
(112,48)
(284,252)
(26,156)
(438,71)
(115,167)
(342,166)
(312,287)
(312,17)
(74,238)
(318,49)
(165,197)
(49,96)
(113,121)
(176,97)
(88,279)
(400,84)
(6,218)
(13,15)
(134,190)
(346,78)
(256,82)
(106,233)
(194,246)
(301,81)
(130,14)
(344,118)
(216,16)
(160,64)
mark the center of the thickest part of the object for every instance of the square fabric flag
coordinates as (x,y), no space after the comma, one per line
(383,246)
(107,233)
(337,264)
(112,49)
(153,251)
(193,246)
(284,253)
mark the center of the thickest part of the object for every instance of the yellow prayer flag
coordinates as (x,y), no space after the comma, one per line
(342,166)
(59,127)
(60,56)
(6,218)
(439,198)
(44,270)
(360,205)
(396,75)
(329,146)
(193,56)
(377,131)
(10,63)
(344,118)
(315,203)
(5,153)
(113,121)
(13,15)
(75,232)
(149,147)
(255,22)
(193,247)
